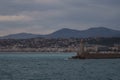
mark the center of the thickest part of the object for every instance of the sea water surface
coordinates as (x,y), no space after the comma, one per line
(56,66)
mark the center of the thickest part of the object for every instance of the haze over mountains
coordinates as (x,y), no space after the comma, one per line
(68,33)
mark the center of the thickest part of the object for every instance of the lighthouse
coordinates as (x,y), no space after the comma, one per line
(81,48)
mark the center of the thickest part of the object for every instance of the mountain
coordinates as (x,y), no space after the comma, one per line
(64,33)
(101,32)
(20,36)
(92,32)
(68,33)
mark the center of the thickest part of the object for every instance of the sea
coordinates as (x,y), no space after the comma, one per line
(56,66)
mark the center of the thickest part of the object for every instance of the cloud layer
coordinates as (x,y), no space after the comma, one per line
(46,16)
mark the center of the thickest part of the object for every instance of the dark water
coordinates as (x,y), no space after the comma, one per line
(56,66)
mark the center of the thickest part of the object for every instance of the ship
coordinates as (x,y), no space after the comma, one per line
(82,54)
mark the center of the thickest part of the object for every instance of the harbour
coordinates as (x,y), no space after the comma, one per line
(82,54)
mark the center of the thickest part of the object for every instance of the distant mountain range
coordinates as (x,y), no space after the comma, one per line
(68,33)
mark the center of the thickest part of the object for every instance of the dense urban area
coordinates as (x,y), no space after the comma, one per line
(59,44)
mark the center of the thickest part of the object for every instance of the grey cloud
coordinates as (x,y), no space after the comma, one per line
(10,7)
(112,3)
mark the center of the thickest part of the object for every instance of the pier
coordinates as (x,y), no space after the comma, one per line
(82,54)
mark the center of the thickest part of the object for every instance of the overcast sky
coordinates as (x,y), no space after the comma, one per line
(46,16)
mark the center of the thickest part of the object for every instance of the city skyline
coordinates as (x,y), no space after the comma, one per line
(47,16)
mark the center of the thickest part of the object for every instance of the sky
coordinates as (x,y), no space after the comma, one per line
(47,16)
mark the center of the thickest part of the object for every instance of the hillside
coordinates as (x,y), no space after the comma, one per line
(68,33)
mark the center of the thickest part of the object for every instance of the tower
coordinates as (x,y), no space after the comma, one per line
(81,48)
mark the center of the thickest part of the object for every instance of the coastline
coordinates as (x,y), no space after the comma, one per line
(39,50)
